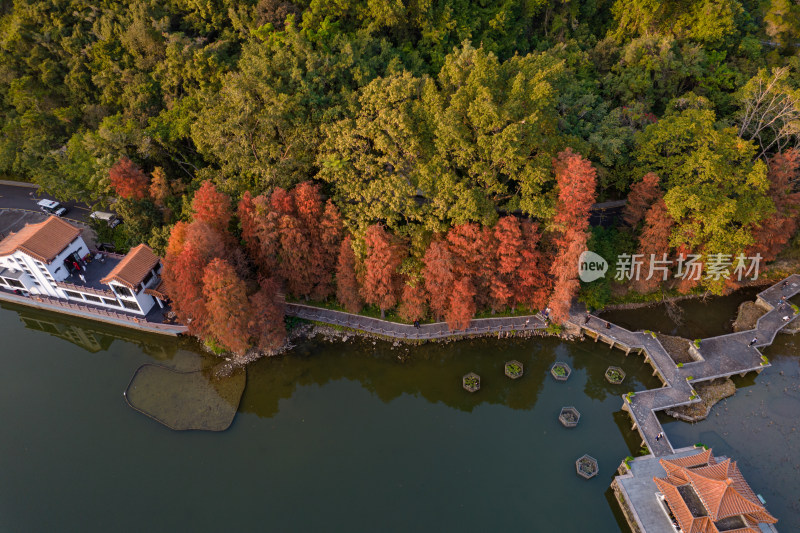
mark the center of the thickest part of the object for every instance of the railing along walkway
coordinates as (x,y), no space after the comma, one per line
(722,356)
(139,322)
(438,330)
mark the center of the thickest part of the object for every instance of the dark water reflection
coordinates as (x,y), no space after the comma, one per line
(700,318)
(348,436)
(434,371)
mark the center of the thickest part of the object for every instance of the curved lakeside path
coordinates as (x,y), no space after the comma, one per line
(438,330)
(718,357)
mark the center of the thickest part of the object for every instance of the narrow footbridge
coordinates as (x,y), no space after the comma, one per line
(438,330)
(718,357)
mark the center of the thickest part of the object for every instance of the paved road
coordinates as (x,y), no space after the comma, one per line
(21,197)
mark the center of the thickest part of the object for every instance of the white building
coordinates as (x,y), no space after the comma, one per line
(48,259)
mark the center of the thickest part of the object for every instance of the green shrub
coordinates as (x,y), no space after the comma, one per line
(513,369)
(697,343)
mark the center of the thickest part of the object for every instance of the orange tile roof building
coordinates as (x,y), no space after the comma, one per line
(51,259)
(134,267)
(43,241)
(707,496)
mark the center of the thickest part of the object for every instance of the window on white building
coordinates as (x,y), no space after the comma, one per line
(130,305)
(125,292)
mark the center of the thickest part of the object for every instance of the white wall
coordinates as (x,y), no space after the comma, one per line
(145,301)
(37,269)
(59,272)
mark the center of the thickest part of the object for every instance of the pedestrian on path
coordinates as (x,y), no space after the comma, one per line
(785,284)
(752,342)
(608,325)
(527,321)
(416,323)
(587,319)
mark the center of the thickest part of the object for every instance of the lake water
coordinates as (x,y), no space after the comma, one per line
(354,436)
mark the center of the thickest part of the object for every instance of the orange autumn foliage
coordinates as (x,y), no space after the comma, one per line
(128,180)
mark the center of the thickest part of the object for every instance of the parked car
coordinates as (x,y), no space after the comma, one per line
(52,207)
(110,218)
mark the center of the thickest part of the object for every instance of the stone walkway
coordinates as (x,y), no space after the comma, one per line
(438,330)
(722,356)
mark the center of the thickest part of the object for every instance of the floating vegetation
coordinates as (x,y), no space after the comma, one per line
(560,371)
(569,417)
(204,400)
(615,375)
(587,467)
(471,382)
(513,369)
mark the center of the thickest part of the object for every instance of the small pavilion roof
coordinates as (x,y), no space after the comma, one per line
(134,267)
(42,241)
(703,493)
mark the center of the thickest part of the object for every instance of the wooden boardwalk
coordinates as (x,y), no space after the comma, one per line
(722,356)
(438,330)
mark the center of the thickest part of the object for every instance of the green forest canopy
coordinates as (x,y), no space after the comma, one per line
(417,114)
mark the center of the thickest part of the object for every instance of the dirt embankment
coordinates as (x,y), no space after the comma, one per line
(710,392)
(677,348)
(748,315)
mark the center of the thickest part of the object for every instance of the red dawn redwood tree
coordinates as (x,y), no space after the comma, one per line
(309,209)
(177,237)
(531,284)
(507,260)
(183,282)
(227,306)
(282,202)
(262,235)
(641,197)
(380,269)
(508,236)
(412,299)
(576,180)
(295,267)
(128,180)
(347,289)
(212,207)
(266,325)
(653,242)
(472,249)
(462,305)
(330,237)
(438,276)
(190,248)
(687,283)
(772,234)
(246,210)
